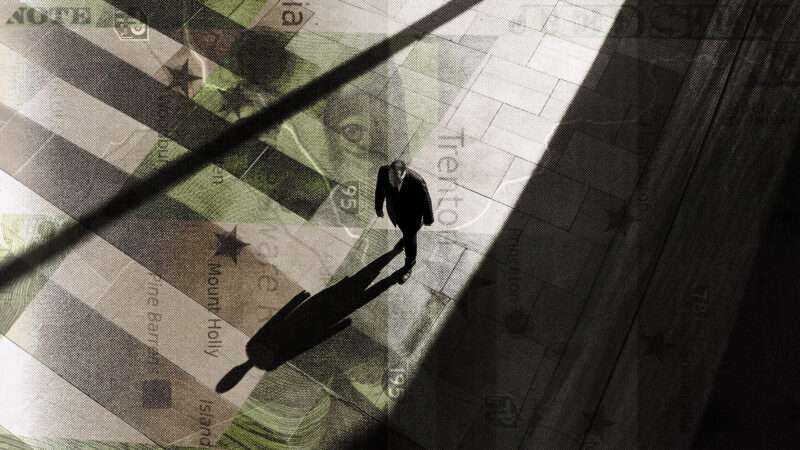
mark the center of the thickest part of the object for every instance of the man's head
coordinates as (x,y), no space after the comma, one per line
(398,166)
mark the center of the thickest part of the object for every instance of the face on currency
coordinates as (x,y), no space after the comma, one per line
(364,125)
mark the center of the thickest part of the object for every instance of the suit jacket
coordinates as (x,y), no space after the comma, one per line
(411,205)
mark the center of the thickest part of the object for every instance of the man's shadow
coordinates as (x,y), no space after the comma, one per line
(307,321)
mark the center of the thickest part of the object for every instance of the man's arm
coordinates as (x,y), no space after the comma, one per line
(427,214)
(380,195)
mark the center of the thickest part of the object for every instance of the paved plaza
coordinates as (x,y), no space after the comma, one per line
(532,123)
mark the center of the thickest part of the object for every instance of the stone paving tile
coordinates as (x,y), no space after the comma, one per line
(501,38)
(401,317)
(551,438)
(28,138)
(489,361)
(555,354)
(5,114)
(436,256)
(81,280)
(603,166)
(445,419)
(317,49)
(509,92)
(600,217)
(655,51)
(528,125)
(541,192)
(532,15)
(467,218)
(569,61)
(556,108)
(347,427)
(426,85)
(505,422)
(583,16)
(599,231)
(39,403)
(422,107)
(345,215)
(444,60)
(641,130)
(501,290)
(347,23)
(513,143)
(283,246)
(556,255)
(554,316)
(637,82)
(411,11)
(453,30)
(607,8)
(588,112)
(500,425)
(579,34)
(557,105)
(521,75)
(470,162)
(22,80)
(68,111)
(591,269)
(401,323)
(474,114)
(129,154)
(597,205)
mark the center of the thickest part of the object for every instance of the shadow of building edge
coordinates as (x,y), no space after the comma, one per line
(647,139)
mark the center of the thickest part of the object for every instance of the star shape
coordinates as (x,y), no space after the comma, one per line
(229,245)
(655,345)
(181,78)
(234,100)
(619,219)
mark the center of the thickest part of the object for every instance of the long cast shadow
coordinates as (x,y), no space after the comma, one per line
(307,321)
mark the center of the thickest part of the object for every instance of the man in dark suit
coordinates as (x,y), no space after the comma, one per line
(408,204)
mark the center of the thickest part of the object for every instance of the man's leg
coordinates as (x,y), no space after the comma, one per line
(410,245)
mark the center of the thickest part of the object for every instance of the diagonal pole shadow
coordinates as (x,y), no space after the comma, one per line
(177,170)
(307,321)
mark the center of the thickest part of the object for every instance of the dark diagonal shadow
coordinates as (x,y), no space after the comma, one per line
(172,173)
(307,321)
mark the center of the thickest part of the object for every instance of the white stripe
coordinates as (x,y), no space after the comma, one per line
(35,402)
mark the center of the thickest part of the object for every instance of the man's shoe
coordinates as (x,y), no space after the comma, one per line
(406,275)
(398,246)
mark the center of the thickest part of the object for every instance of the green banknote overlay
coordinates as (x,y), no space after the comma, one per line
(340,141)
